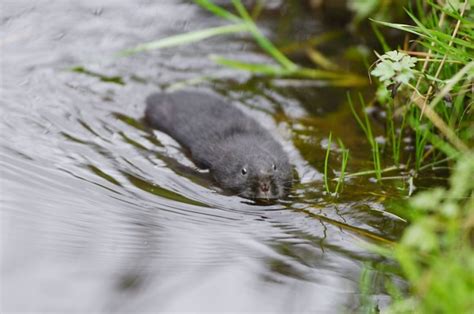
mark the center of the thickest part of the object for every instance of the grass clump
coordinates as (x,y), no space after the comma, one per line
(427,88)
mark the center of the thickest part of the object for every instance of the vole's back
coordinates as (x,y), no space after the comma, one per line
(199,121)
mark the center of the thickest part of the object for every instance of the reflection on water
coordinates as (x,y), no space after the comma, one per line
(99,213)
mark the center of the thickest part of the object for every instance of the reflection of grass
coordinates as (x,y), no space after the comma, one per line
(159,191)
(104,78)
(243,22)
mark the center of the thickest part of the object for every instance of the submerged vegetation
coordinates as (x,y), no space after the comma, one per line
(424,87)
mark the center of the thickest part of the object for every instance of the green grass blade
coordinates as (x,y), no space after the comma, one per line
(262,41)
(326,165)
(217,10)
(345,158)
(187,38)
(380,37)
(356,116)
(335,79)
(266,69)
(433,35)
(451,82)
(403,27)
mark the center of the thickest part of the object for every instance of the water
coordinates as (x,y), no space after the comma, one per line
(101,214)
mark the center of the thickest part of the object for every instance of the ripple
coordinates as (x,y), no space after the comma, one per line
(100,213)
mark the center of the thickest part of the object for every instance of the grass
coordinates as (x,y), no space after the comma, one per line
(395,135)
(367,129)
(417,92)
(187,38)
(432,100)
(345,159)
(326,165)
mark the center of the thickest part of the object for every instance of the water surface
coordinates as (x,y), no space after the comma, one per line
(101,214)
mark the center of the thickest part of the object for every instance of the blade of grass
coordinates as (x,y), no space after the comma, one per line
(187,38)
(217,10)
(326,165)
(356,116)
(434,35)
(366,127)
(311,42)
(262,41)
(267,69)
(345,158)
(336,78)
(451,82)
(257,9)
(434,139)
(321,74)
(380,37)
(321,60)
(369,172)
(441,125)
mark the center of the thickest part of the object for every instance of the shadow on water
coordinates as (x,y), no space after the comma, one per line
(100,213)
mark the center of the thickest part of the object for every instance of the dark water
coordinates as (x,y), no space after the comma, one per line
(100,214)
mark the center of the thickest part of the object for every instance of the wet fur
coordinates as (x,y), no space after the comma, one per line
(223,139)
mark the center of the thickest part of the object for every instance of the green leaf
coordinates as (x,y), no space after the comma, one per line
(384,70)
(217,10)
(393,55)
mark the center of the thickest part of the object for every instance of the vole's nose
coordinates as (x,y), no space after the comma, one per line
(264,186)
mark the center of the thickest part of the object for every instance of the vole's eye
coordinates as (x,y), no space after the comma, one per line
(274,167)
(243,171)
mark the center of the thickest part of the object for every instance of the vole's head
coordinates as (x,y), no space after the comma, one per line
(254,171)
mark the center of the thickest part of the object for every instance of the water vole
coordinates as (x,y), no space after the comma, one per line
(241,155)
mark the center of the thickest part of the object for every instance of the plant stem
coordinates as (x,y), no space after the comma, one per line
(326,165)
